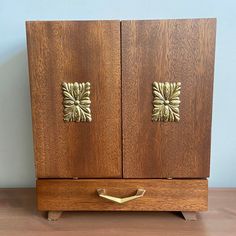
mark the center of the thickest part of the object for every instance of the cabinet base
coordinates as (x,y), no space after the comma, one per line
(186,195)
(189,215)
(54,215)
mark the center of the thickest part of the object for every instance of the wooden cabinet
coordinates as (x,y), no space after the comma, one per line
(121,113)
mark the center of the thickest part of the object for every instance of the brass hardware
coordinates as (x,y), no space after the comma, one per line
(102,193)
(166,101)
(76,102)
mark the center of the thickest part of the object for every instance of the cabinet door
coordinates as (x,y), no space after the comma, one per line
(169,52)
(85,146)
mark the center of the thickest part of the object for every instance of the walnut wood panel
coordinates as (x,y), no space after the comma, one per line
(161,195)
(72,51)
(167,51)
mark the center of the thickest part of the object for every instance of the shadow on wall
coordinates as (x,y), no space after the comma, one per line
(16,146)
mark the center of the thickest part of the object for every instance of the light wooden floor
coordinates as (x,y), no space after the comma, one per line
(18,216)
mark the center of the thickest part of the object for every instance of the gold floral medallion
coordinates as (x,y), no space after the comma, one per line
(166,101)
(76,102)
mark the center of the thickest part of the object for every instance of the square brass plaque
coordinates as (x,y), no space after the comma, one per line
(76,102)
(166,101)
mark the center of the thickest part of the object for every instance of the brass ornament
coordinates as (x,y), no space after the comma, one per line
(166,101)
(76,102)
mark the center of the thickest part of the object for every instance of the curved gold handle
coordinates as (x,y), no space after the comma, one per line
(102,193)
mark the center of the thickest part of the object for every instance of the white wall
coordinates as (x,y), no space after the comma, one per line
(16,151)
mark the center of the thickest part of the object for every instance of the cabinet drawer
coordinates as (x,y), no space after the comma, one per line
(160,194)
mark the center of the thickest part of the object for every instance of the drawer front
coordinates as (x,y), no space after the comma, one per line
(160,195)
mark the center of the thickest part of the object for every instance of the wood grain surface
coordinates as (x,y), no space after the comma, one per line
(167,51)
(70,51)
(19,217)
(160,195)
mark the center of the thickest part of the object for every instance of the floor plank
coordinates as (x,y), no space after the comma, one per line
(18,216)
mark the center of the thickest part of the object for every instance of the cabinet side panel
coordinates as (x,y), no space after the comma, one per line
(167,51)
(74,51)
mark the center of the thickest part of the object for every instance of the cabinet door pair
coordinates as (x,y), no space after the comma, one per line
(150,85)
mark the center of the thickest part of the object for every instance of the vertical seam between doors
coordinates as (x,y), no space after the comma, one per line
(121,101)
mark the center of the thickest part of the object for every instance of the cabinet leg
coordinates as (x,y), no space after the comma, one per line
(189,215)
(54,215)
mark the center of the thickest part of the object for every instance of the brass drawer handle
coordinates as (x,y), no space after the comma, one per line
(102,193)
